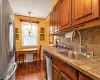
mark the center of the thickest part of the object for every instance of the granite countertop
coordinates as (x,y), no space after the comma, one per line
(90,66)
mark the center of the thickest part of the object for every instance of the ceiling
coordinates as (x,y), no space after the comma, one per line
(38,8)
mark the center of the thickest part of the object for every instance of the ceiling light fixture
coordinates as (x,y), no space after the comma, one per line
(30,29)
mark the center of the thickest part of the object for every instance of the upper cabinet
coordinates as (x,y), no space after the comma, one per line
(64,14)
(84,10)
(61,15)
(54,19)
(70,13)
(51,22)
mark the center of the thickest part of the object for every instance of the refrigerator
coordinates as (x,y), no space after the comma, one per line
(7,42)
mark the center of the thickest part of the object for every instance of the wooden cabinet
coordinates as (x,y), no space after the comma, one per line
(57,18)
(63,77)
(64,14)
(83,77)
(54,19)
(55,72)
(61,15)
(51,22)
(84,10)
(66,72)
(68,13)
(63,71)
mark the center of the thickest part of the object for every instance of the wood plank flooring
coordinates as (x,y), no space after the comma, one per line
(30,71)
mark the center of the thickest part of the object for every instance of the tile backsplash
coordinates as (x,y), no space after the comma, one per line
(90,38)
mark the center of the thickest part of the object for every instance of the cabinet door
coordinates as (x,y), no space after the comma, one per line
(83,77)
(63,77)
(55,72)
(52,22)
(55,19)
(84,10)
(65,68)
(65,14)
(60,13)
(58,18)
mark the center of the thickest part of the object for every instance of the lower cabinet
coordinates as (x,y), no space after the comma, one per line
(55,73)
(83,77)
(63,77)
(62,71)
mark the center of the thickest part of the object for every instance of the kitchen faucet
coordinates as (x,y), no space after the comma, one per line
(83,47)
(80,39)
(72,34)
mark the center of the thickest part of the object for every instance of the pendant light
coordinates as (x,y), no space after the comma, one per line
(30,29)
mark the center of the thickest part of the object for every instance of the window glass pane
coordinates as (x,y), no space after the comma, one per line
(29,34)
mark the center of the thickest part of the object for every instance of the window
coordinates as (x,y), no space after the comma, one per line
(29,39)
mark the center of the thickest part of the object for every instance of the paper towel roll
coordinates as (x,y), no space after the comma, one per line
(70,35)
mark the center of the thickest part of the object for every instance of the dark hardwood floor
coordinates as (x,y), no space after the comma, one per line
(30,71)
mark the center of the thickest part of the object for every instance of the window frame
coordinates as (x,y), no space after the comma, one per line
(22,36)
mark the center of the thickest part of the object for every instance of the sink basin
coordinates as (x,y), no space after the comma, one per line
(61,50)
(74,55)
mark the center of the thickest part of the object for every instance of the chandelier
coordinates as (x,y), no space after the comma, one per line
(30,29)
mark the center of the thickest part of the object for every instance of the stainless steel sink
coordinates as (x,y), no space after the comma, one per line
(74,55)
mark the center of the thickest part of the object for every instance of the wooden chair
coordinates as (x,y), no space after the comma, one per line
(19,57)
(15,56)
(37,55)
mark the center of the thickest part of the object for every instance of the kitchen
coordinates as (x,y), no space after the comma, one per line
(53,39)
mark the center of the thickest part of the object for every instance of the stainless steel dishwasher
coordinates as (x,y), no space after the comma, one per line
(49,66)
